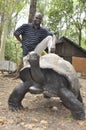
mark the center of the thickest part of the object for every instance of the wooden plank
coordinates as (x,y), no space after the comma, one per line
(79,64)
(8,66)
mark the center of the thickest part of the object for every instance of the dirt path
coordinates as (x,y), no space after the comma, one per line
(38,114)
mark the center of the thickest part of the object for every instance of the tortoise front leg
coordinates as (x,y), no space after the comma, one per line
(72,103)
(80,97)
(17,96)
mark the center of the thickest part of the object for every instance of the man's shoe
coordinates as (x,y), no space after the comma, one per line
(35,90)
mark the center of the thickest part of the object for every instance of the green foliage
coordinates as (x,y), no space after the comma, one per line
(9,10)
(42,6)
(13,51)
(59,13)
(84,43)
(68,17)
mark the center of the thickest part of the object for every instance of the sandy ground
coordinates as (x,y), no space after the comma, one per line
(38,114)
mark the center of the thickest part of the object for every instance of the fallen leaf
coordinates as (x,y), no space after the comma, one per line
(2,121)
(82,123)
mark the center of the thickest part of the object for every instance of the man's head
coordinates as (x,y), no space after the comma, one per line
(37,19)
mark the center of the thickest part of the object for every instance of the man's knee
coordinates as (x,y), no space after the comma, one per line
(49,37)
(25,60)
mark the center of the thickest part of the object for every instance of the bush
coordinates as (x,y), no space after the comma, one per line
(13,50)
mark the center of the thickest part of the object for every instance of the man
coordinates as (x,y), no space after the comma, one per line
(34,37)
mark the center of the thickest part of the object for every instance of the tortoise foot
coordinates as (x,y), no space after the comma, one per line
(79,115)
(15,107)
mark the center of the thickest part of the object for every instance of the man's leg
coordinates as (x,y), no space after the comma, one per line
(47,42)
(25,61)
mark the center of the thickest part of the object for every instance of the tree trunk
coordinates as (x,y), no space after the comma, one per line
(3,41)
(80,36)
(32,10)
(1,25)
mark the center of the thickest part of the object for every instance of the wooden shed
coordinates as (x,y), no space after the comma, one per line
(71,52)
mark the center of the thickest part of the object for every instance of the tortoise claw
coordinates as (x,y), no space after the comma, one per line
(13,107)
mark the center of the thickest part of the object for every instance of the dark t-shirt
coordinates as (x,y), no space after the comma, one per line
(31,36)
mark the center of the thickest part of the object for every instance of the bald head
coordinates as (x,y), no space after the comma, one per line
(37,19)
(38,15)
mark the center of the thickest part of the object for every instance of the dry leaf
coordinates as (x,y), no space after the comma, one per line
(2,121)
(82,123)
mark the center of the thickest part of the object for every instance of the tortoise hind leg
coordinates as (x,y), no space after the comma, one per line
(15,98)
(72,103)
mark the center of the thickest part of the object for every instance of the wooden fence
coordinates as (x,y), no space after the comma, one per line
(8,66)
(79,64)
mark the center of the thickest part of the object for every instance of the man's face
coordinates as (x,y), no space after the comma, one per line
(38,19)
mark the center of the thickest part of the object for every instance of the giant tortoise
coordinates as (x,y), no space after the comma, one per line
(56,77)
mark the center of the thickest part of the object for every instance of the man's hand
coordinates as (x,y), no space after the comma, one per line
(52,50)
(18,37)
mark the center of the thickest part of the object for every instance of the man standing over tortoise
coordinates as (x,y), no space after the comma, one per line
(34,37)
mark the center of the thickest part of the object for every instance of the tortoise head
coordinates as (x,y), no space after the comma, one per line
(33,58)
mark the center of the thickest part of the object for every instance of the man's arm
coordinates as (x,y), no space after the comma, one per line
(18,37)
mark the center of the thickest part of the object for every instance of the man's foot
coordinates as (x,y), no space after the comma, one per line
(35,90)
